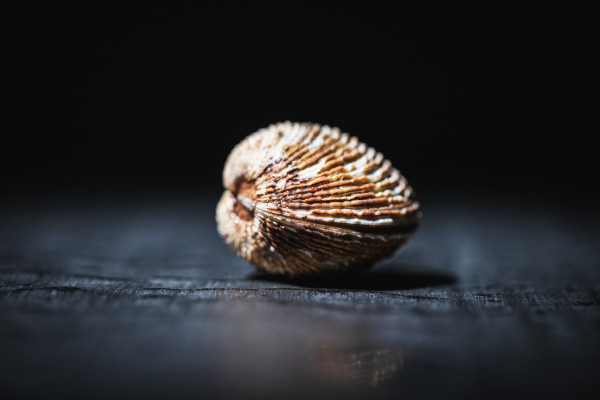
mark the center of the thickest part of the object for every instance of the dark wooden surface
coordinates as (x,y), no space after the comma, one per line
(140,297)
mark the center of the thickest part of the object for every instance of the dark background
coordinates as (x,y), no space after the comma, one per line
(116,122)
(467,97)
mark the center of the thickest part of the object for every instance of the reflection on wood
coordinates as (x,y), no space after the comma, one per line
(351,365)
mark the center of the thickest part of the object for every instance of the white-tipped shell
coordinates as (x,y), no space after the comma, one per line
(306,199)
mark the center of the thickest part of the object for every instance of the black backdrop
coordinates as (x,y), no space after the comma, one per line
(480,98)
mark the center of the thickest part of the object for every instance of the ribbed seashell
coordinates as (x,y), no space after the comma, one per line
(306,199)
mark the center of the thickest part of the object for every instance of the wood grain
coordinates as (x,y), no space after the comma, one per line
(142,298)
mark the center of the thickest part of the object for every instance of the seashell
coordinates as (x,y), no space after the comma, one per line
(304,199)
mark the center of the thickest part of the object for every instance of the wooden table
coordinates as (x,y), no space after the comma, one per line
(138,296)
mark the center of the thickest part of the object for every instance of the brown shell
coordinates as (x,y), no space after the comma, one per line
(306,199)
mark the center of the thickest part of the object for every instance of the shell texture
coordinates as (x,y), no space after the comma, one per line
(304,199)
